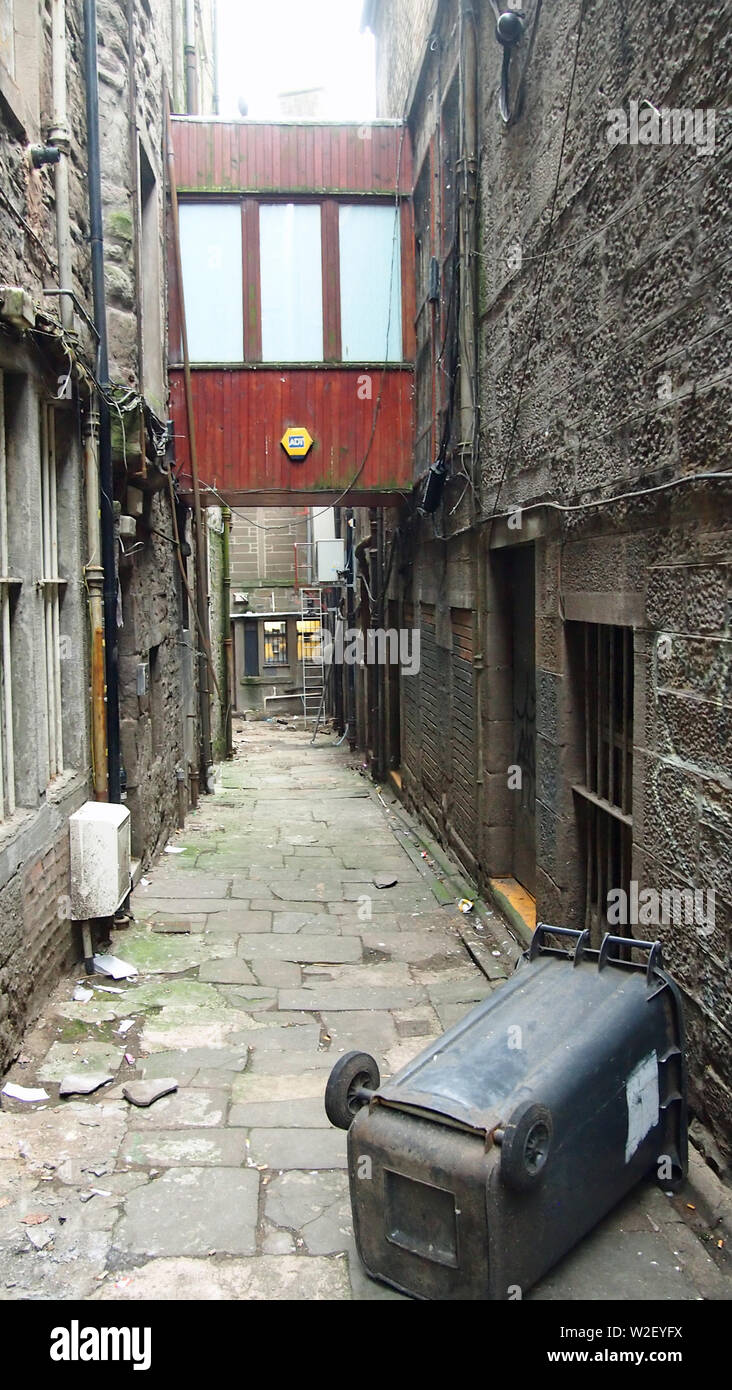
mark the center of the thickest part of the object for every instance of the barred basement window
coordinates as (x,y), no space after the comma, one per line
(275,644)
(606,794)
(52,587)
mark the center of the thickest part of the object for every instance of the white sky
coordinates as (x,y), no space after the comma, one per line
(271,46)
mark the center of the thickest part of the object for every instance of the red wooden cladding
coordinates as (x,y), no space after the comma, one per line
(246,156)
(242,413)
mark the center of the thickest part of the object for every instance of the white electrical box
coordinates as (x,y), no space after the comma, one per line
(100,859)
(331,557)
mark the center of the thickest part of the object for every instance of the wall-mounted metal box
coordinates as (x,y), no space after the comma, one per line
(100,859)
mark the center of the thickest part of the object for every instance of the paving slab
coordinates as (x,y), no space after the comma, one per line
(327,998)
(191,1211)
(283,974)
(181,1148)
(294,1038)
(186,1108)
(360,1031)
(63,1058)
(182,885)
(184,1063)
(264,1278)
(297,1148)
(253,1088)
(279,1063)
(238,919)
(307,1113)
(299,946)
(315,1205)
(231,970)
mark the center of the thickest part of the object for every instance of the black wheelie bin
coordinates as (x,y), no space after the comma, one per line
(482,1162)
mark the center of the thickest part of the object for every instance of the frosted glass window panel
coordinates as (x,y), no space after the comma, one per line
(371,279)
(291,282)
(211,255)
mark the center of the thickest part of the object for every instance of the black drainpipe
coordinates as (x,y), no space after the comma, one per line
(106,474)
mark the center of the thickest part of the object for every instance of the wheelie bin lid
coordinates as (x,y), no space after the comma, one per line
(558,1009)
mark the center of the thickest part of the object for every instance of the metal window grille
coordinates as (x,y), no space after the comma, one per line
(275,644)
(51,583)
(607,790)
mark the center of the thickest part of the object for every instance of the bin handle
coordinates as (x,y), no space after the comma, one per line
(544,929)
(655,954)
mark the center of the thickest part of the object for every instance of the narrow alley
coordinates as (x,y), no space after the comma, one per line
(296,917)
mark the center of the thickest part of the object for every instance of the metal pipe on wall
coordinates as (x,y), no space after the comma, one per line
(204,659)
(60,136)
(106,472)
(94,577)
(228,701)
(189,49)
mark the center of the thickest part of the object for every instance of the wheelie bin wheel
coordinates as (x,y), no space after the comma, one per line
(525,1146)
(354,1077)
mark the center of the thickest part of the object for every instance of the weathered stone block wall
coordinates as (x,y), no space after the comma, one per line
(618,383)
(403,27)
(263,554)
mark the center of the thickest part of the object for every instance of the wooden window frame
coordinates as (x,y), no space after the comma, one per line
(331,282)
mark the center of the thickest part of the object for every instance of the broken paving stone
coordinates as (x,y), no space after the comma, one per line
(83,1083)
(27,1093)
(145,1093)
(40,1238)
(385,880)
(172,928)
(114,966)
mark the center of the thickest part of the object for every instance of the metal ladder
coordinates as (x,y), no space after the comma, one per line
(312,661)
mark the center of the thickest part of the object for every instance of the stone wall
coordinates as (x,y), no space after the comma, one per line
(615,384)
(402,28)
(36,936)
(263,556)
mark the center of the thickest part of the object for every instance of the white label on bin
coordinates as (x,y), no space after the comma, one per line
(641,1092)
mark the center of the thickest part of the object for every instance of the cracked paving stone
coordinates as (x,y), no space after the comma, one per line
(154,954)
(298,1148)
(185,1063)
(238,920)
(230,971)
(180,1148)
(63,1058)
(184,1109)
(332,998)
(282,974)
(316,1205)
(264,1278)
(191,1211)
